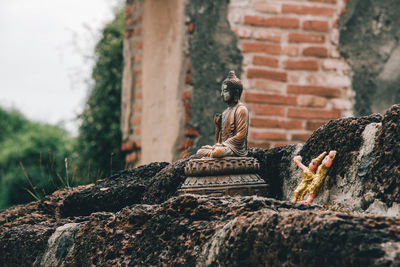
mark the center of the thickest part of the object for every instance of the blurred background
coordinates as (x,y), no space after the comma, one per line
(52,58)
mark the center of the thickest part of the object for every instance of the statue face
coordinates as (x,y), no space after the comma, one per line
(226,94)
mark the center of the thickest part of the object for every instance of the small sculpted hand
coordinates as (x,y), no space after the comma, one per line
(297,159)
(328,159)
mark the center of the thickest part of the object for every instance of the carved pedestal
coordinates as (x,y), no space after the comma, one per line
(226,176)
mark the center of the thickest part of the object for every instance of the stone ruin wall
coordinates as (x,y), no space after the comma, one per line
(285,51)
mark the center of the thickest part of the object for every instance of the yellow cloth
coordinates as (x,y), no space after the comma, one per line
(301,189)
(318,179)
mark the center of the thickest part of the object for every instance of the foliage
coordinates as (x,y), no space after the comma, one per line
(99,141)
(38,150)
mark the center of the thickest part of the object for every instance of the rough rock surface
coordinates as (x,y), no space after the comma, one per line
(384,175)
(25,229)
(120,190)
(272,166)
(369,31)
(135,217)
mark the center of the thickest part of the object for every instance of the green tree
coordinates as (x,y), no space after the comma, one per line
(31,158)
(99,141)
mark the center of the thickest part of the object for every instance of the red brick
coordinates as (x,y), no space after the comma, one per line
(270,99)
(308,10)
(263,145)
(313,90)
(313,113)
(303,64)
(324,1)
(138,31)
(315,51)
(316,25)
(295,37)
(139,146)
(276,123)
(186,95)
(273,49)
(128,34)
(279,144)
(311,101)
(139,45)
(138,96)
(267,86)
(136,120)
(132,157)
(191,27)
(138,72)
(243,33)
(302,137)
(138,131)
(280,22)
(265,61)
(128,10)
(313,125)
(138,58)
(128,146)
(138,108)
(188,79)
(262,6)
(267,74)
(267,35)
(335,65)
(186,143)
(342,11)
(191,132)
(268,135)
(187,106)
(290,50)
(130,22)
(267,110)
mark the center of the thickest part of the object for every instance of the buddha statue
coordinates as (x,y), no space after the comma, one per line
(232,125)
(225,168)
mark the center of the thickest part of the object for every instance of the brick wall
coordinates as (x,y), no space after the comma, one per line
(294,77)
(132,81)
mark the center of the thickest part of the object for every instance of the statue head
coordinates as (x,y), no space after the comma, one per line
(232,88)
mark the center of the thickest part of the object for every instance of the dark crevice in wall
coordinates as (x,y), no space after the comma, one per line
(369,40)
(213,48)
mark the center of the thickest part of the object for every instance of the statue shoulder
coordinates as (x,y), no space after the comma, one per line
(242,109)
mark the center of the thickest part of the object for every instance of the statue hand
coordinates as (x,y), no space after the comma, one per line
(297,159)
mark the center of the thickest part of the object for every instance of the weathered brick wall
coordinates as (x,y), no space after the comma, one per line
(132,81)
(294,77)
(286,52)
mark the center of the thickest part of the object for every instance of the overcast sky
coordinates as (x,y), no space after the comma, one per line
(43,44)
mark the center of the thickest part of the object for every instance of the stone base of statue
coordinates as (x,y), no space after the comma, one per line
(225,176)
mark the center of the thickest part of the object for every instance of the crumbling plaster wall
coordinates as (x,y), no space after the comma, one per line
(369,38)
(163,78)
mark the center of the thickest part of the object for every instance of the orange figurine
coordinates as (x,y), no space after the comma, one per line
(312,179)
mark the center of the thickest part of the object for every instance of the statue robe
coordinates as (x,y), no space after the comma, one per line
(234,128)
